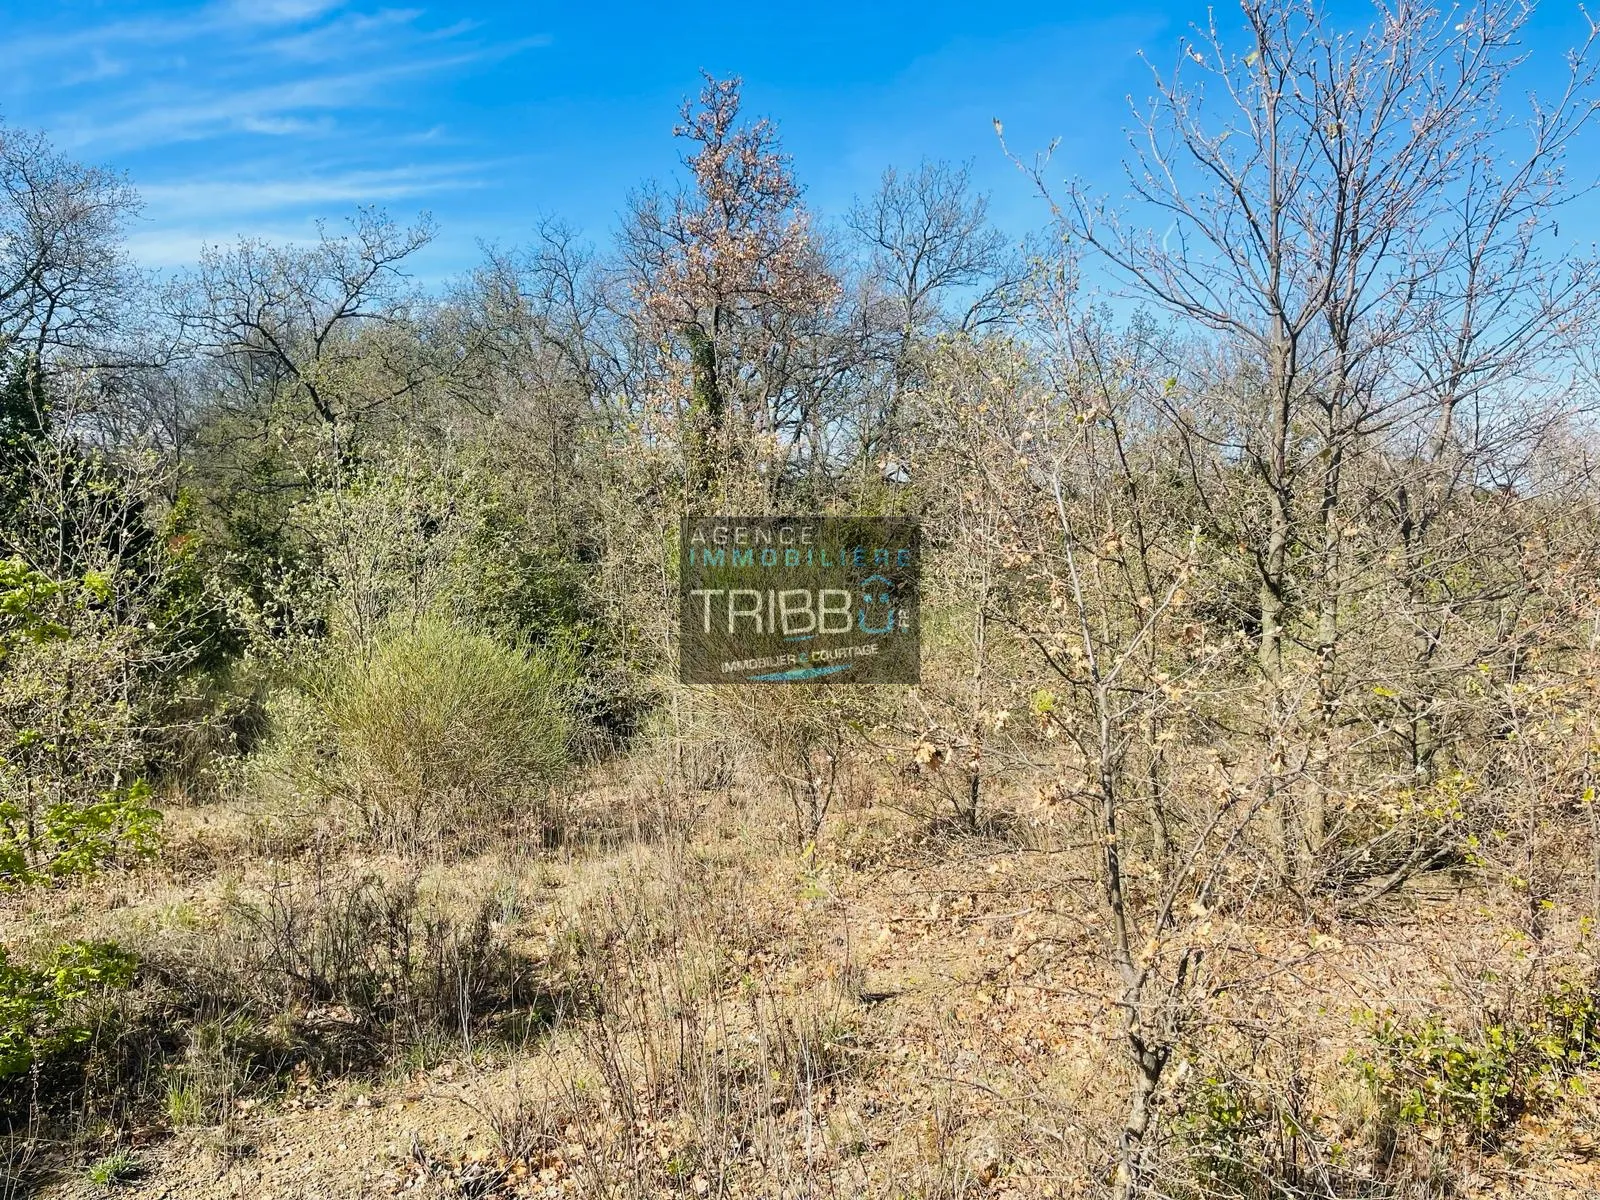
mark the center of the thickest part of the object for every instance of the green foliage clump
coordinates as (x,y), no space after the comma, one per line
(1428,1074)
(441,730)
(113,1169)
(189,616)
(24,419)
(66,742)
(25,595)
(66,839)
(1221,1131)
(38,1003)
(503,578)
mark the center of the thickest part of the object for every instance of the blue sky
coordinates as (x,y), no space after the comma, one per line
(255,118)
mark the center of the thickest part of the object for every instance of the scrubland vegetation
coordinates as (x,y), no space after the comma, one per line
(1240,840)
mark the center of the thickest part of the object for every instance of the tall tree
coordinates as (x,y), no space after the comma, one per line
(1323,204)
(64,274)
(937,263)
(712,262)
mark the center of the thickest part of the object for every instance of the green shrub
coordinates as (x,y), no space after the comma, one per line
(409,537)
(1222,1134)
(74,676)
(38,1003)
(442,732)
(1427,1074)
(76,839)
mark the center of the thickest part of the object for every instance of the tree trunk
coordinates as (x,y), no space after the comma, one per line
(1132,1149)
(1315,817)
(1270,656)
(706,427)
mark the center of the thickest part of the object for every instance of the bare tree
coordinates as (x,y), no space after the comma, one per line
(933,249)
(64,276)
(318,337)
(1328,209)
(934,261)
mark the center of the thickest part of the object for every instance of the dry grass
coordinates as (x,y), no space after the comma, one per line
(673,1001)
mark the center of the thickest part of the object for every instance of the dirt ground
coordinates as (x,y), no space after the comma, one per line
(958,980)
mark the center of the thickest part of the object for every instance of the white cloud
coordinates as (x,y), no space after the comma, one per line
(241,17)
(276,12)
(247,116)
(101,66)
(286,126)
(180,245)
(261,195)
(162,114)
(346,35)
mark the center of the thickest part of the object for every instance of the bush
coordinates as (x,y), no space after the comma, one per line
(801,737)
(38,1002)
(76,839)
(1427,1074)
(77,686)
(441,733)
(1222,1135)
(379,951)
(330,971)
